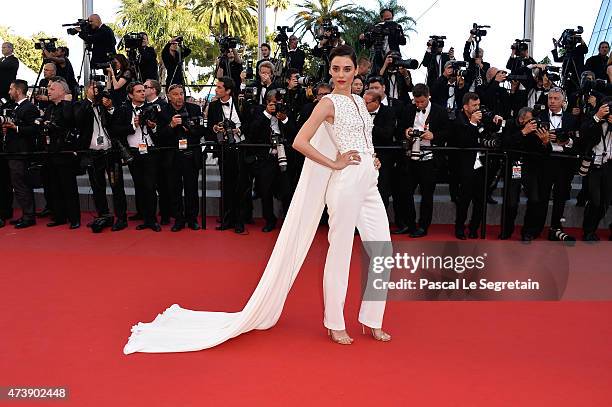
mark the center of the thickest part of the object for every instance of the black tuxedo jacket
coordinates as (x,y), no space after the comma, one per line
(433,69)
(437,120)
(215,115)
(8,73)
(169,137)
(297,59)
(383,132)
(464,135)
(85,120)
(22,141)
(121,124)
(439,93)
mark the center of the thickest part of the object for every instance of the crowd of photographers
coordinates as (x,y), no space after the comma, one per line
(539,124)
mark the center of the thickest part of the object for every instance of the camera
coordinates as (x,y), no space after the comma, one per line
(250,93)
(133,40)
(538,108)
(100,93)
(585,164)
(48,44)
(398,62)
(436,42)
(303,80)
(328,31)
(100,223)
(226,134)
(7,116)
(277,141)
(190,121)
(570,38)
(101,65)
(83,24)
(477,30)
(282,37)
(458,67)
(599,85)
(226,43)
(377,33)
(520,45)
(280,107)
(487,116)
(149,113)
(562,135)
(551,72)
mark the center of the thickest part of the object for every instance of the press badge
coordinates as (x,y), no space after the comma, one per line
(183,144)
(516,171)
(142,148)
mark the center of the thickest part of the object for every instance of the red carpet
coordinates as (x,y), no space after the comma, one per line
(69,299)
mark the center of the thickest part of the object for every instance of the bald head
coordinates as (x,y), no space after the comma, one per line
(95,21)
(7,49)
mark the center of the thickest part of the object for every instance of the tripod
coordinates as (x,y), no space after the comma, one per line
(86,57)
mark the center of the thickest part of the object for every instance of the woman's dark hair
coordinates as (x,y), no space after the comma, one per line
(360,78)
(124,64)
(343,51)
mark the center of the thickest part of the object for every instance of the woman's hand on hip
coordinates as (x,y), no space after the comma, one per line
(351,157)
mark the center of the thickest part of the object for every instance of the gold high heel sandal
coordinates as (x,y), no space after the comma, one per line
(383,337)
(342,341)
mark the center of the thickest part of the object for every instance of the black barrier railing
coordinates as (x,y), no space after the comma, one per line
(211,147)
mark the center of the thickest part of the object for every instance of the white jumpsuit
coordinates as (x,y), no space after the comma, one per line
(353,200)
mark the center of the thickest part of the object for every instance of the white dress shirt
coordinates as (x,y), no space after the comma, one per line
(139,136)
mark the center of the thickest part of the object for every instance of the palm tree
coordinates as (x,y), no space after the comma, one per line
(228,17)
(314,12)
(277,5)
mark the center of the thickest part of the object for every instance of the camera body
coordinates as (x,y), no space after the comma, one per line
(436,42)
(376,34)
(458,67)
(100,93)
(520,45)
(282,37)
(133,40)
(328,27)
(226,43)
(191,121)
(398,62)
(7,115)
(83,24)
(570,38)
(48,44)
(149,113)
(477,30)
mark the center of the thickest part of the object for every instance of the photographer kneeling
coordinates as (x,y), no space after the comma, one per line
(182,127)
(93,118)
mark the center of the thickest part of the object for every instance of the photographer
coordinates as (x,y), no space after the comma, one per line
(57,125)
(63,66)
(599,63)
(119,75)
(435,59)
(597,138)
(296,57)
(329,38)
(19,135)
(133,125)
(428,126)
(147,64)
(572,52)
(582,103)
(267,81)
(41,97)
(477,68)
(468,131)
(224,126)
(398,80)
(268,166)
(520,64)
(230,64)
(9,65)
(386,36)
(182,127)
(448,90)
(166,157)
(101,38)
(546,174)
(265,56)
(294,95)
(173,57)
(93,119)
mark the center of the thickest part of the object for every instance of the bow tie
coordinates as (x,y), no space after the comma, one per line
(225,103)
(556,114)
(373,113)
(421,111)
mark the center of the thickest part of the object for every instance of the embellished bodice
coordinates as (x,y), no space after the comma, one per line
(352,128)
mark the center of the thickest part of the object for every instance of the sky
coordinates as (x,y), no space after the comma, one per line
(441,17)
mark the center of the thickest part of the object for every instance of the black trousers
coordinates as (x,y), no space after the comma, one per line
(471,190)
(107,165)
(144,173)
(185,172)
(165,184)
(555,177)
(6,191)
(63,188)
(512,196)
(599,190)
(385,175)
(423,175)
(24,194)
(268,181)
(230,167)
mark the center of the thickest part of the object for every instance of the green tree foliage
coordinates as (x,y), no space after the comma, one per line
(24,47)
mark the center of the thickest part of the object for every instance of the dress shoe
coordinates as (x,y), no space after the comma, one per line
(135,216)
(75,225)
(164,221)
(194,225)
(473,234)
(44,213)
(120,224)
(269,227)
(223,226)
(178,226)
(420,232)
(460,234)
(56,223)
(16,221)
(239,229)
(155,227)
(526,237)
(403,231)
(25,224)
(591,237)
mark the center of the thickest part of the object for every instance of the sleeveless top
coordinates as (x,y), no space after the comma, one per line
(352,128)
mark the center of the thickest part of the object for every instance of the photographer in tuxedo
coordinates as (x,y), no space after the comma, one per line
(57,124)
(225,127)
(296,57)
(435,60)
(9,65)
(266,50)
(398,80)
(173,57)
(448,90)
(147,65)
(599,63)
(93,118)
(101,37)
(19,136)
(136,131)
(267,81)
(268,166)
(549,173)
(182,127)
(468,131)
(164,173)
(477,68)
(521,64)
(597,141)
(429,126)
